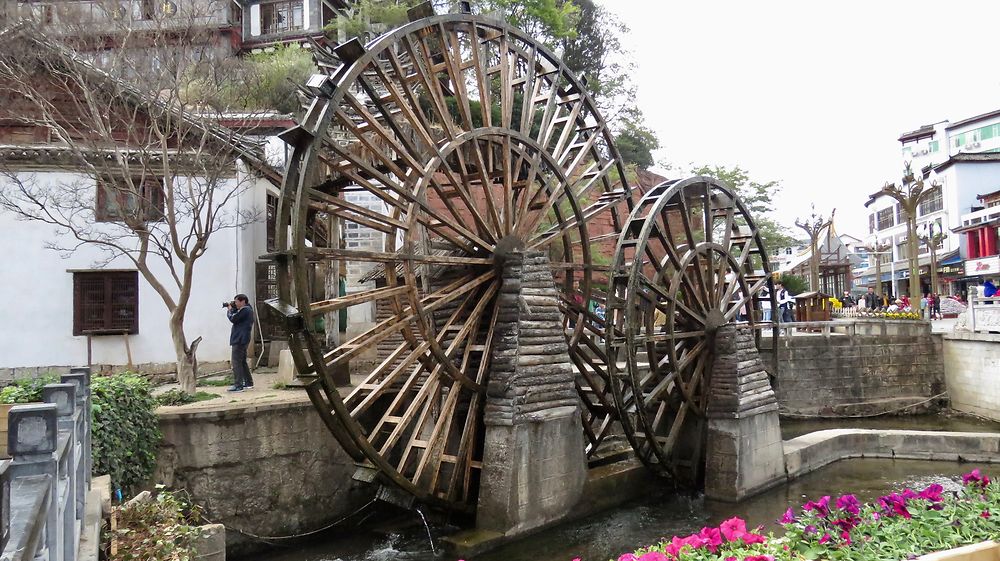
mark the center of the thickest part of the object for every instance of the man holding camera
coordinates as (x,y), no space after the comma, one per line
(241,315)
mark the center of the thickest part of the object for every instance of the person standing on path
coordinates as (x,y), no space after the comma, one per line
(871,299)
(240,313)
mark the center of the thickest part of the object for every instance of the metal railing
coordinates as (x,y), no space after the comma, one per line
(44,485)
(983,313)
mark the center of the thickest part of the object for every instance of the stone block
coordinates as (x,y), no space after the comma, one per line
(32,429)
(286,367)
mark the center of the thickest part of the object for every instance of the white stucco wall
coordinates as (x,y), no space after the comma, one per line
(972,373)
(36,325)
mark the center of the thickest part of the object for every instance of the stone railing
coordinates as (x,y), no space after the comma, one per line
(45,483)
(983,314)
(871,326)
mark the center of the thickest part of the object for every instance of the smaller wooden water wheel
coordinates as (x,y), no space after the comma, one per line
(689,260)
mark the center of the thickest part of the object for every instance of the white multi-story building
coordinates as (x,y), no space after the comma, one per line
(963,160)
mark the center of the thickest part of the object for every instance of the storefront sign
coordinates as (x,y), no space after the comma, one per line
(984,266)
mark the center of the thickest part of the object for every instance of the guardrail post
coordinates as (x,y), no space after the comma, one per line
(83,392)
(81,381)
(32,439)
(63,396)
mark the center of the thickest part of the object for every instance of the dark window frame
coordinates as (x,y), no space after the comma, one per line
(105,302)
(884,218)
(151,194)
(271,25)
(932,202)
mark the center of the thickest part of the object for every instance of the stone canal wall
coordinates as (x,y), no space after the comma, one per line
(868,367)
(269,469)
(972,371)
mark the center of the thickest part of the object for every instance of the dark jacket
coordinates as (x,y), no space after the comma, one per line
(872,300)
(242,325)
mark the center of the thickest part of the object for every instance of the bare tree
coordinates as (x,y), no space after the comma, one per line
(910,192)
(814,226)
(155,175)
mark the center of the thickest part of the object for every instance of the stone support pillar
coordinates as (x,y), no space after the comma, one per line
(534,465)
(745,453)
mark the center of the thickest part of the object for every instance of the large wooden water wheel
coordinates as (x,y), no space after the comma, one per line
(689,260)
(479,142)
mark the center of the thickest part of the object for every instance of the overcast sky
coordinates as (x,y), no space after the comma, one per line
(813,94)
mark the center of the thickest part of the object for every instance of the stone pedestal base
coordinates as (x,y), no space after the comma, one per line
(745,457)
(534,464)
(744,452)
(533,472)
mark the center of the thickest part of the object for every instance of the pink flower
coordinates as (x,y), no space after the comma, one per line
(849,503)
(824,539)
(984,514)
(730,558)
(733,529)
(975,478)
(576,559)
(652,556)
(759,558)
(751,539)
(820,506)
(712,538)
(846,536)
(789,517)
(627,557)
(932,493)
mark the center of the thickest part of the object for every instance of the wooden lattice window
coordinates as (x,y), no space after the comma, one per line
(117,198)
(105,302)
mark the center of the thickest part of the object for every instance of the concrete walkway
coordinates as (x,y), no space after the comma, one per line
(812,451)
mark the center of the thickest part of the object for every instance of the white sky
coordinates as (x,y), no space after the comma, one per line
(813,94)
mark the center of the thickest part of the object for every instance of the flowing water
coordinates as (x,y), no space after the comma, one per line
(608,534)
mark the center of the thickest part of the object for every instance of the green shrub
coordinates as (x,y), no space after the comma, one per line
(178,397)
(126,431)
(27,390)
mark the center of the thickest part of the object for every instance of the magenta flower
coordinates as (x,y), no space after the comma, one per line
(751,539)
(849,503)
(789,517)
(821,506)
(652,556)
(627,557)
(846,524)
(894,504)
(759,558)
(712,538)
(932,492)
(810,529)
(846,536)
(824,539)
(975,478)
(733,529)
(984,514)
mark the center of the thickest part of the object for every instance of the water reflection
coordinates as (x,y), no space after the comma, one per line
(605,535)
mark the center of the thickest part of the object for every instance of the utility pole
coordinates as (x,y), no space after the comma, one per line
(814,227)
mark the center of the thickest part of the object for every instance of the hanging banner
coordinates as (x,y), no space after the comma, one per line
(984,266)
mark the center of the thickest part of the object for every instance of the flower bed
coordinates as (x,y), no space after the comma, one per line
(898,526)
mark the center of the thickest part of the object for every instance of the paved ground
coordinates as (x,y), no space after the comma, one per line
(943,325)
(264,391)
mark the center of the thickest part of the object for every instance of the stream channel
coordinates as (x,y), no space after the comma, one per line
(608,534)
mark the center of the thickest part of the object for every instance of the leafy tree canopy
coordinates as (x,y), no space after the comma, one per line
(759,199)
(636,144)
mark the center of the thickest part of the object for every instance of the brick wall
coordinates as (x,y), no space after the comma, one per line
(858,374)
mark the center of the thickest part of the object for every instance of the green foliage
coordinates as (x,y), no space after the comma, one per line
(126,431)
(759,199)
(546,20)
(794,283)
(636,144)
(266,81)
(178,397)
(225,381)
(388,13)
(162,529)
(27,390)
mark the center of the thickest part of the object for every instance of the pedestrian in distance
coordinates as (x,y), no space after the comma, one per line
(240,314)
(847,300)
(923,305)
(871,299)
(785,303)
